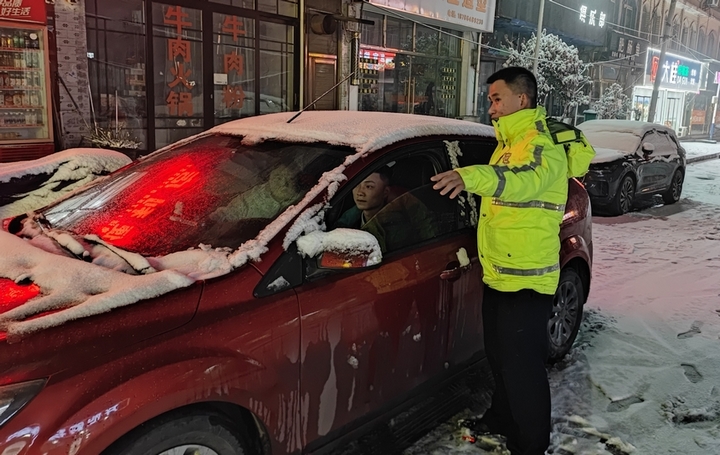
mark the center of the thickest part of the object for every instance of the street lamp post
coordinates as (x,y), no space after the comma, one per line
(667,30)
(538,36)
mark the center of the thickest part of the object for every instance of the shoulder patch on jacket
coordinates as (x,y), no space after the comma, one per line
(578,149)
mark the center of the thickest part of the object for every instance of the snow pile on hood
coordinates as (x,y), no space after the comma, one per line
(604,155)
(78,166)
(81,289)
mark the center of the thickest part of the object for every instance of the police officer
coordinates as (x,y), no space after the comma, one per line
(524,191)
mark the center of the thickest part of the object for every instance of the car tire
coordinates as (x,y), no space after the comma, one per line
(206,433)
(566,314)
(624,196)
(672,195)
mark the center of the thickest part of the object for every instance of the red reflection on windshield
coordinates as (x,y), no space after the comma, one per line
(13,295)
(157,205)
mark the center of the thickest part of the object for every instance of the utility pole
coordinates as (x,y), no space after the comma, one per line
(716,99)
(538,35)
(667,30)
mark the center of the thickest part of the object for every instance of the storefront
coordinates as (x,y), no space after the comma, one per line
(212,61)
(680,77)
(419,63)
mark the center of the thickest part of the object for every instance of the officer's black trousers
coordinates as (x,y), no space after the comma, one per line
(516,343)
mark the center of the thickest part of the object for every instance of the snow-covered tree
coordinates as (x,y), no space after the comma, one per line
(560,70)
(613,103)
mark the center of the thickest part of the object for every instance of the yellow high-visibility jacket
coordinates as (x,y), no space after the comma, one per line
(524,191)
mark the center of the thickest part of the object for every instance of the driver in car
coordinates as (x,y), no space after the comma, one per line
(370,197)
(397,224)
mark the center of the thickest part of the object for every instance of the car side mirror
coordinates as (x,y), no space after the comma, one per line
(647,148)
(341,249)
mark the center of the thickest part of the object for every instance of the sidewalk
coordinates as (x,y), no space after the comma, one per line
(700,150)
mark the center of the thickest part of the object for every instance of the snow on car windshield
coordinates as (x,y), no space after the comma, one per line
(214,190)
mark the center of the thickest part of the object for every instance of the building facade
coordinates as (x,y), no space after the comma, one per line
(162,70)
(622,39)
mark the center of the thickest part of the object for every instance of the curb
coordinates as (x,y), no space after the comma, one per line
(696,159)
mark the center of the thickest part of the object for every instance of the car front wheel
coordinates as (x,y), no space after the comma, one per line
(623,201)
(196,434)
(672,195)
(566,314)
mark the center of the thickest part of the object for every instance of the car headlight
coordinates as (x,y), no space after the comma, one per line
(14,397)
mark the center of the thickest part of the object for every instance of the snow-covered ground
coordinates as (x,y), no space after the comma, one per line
(644,376)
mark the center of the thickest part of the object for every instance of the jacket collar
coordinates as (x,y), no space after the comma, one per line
(511,127)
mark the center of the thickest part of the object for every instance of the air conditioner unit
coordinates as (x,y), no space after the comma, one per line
(712,3)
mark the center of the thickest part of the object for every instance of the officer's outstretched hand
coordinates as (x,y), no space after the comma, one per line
(448,182)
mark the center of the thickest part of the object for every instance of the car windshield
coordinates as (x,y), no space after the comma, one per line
(613,140)
(214,191)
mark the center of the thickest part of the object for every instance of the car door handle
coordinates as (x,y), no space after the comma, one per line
(453,272)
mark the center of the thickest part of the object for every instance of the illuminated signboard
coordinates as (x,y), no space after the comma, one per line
(467,14)
(592,16)
(675,72)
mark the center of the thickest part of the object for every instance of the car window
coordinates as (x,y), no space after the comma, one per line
(413,211)
(661,141)
(214,190)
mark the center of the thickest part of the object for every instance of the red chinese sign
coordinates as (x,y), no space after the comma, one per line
(23,10)
(179,101)
(234,95)
(698,117)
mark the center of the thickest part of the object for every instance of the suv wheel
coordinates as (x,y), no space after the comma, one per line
(566,314)
(672,195)
(623,201)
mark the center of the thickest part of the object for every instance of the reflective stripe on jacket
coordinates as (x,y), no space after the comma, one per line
(524,191)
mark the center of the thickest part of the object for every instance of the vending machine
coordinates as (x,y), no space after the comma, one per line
(25,102)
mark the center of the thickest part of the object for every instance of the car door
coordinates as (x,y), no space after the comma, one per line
(370,337)
(654,169)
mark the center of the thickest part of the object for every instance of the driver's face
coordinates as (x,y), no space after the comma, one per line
(371,193)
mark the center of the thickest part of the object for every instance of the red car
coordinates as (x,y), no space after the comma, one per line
(201,300)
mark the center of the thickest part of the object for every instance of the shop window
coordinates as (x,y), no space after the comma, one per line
(277,56)
(656,25)
(241,3)
(233,67)
(283,7)
(684,35)
(450,43)
(399,34)
(674,40)
(178,70)
(427,40)
(693,37)
(646,22)
(629,17)
(116,66)
(711,51)
(372,34)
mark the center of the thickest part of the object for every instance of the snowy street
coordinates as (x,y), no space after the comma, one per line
(644,375)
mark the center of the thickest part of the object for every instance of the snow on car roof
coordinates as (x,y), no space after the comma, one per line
(622,127)
(363,131)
